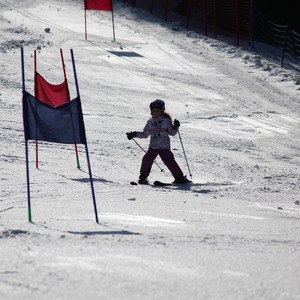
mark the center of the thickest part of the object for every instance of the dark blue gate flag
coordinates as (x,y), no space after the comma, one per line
(62,124)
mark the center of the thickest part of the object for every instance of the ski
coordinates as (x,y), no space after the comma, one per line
(133,183)
(136,183)
(160,183)
(155,183)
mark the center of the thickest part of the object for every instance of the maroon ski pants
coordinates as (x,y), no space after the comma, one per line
(166,156)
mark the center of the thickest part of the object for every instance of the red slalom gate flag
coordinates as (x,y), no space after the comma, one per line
(51,94)
(98,5)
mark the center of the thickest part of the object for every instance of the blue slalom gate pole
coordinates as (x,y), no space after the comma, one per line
(26,143)
(86,147)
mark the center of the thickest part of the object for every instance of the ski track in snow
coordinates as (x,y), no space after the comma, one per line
(234,233)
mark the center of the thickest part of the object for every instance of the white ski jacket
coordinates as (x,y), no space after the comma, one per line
(159,129)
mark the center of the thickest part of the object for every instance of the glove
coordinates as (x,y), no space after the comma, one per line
(176,124)
(131,135)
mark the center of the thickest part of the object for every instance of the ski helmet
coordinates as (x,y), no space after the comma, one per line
(158,104)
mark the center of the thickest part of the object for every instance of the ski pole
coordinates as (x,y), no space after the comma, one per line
(145,152)
(184,154)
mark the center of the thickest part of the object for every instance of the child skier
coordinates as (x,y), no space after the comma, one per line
(159,127)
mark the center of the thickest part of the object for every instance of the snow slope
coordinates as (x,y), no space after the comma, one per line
(234,234)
